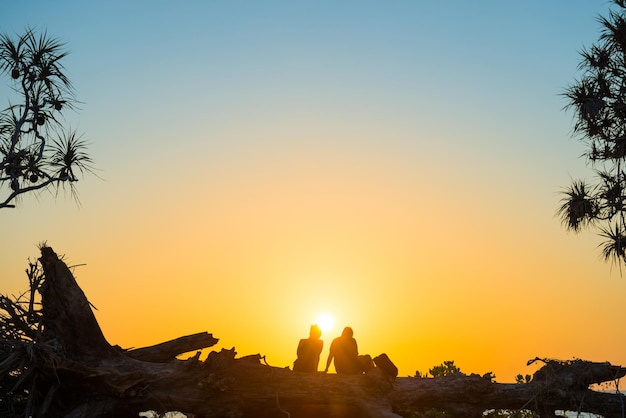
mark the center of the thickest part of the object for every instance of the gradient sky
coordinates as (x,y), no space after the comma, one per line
(396,164)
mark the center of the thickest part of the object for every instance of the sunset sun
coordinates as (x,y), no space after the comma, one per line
(325,322)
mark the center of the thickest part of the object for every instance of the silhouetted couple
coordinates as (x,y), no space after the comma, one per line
(343,350)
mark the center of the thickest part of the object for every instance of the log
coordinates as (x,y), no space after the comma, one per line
(470,396)
(68,320)
(245,388)
(169,350)
(72,371)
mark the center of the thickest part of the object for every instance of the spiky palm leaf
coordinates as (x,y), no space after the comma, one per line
(29,158)
(11,53)
(584,98)
(68,155)
(598,98)
(43,55)
(614,31)
(611,193)
(68,158)
(614,246)
(579,206)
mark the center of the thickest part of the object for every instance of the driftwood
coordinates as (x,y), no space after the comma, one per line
(69,369)
(169,350)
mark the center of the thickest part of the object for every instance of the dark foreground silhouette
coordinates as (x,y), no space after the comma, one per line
(309,350)
(57,363)
(344,352)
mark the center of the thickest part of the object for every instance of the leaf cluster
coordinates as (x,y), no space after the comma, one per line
(598,99)
(36,151)
(446,368)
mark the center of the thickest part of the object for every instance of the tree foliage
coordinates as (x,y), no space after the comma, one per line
(36,151)
(446,368)
(598,99)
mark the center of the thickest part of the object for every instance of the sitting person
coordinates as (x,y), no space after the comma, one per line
(309,350)
(345,353)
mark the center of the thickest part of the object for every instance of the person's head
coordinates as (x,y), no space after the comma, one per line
(347,332)
(315,331)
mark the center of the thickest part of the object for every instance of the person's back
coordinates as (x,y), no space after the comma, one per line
(309,350)
(345,353)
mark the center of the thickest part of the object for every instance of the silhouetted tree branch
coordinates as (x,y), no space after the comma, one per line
(598,99)
(35,150)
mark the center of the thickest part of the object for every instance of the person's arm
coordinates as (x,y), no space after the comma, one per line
(330,358)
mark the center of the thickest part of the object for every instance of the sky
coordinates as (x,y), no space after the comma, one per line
(396,165)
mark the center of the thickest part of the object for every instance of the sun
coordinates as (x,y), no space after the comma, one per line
(325,321)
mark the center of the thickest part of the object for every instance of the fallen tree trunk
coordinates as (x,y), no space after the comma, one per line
(69,369)
(169,350)
(557,385)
